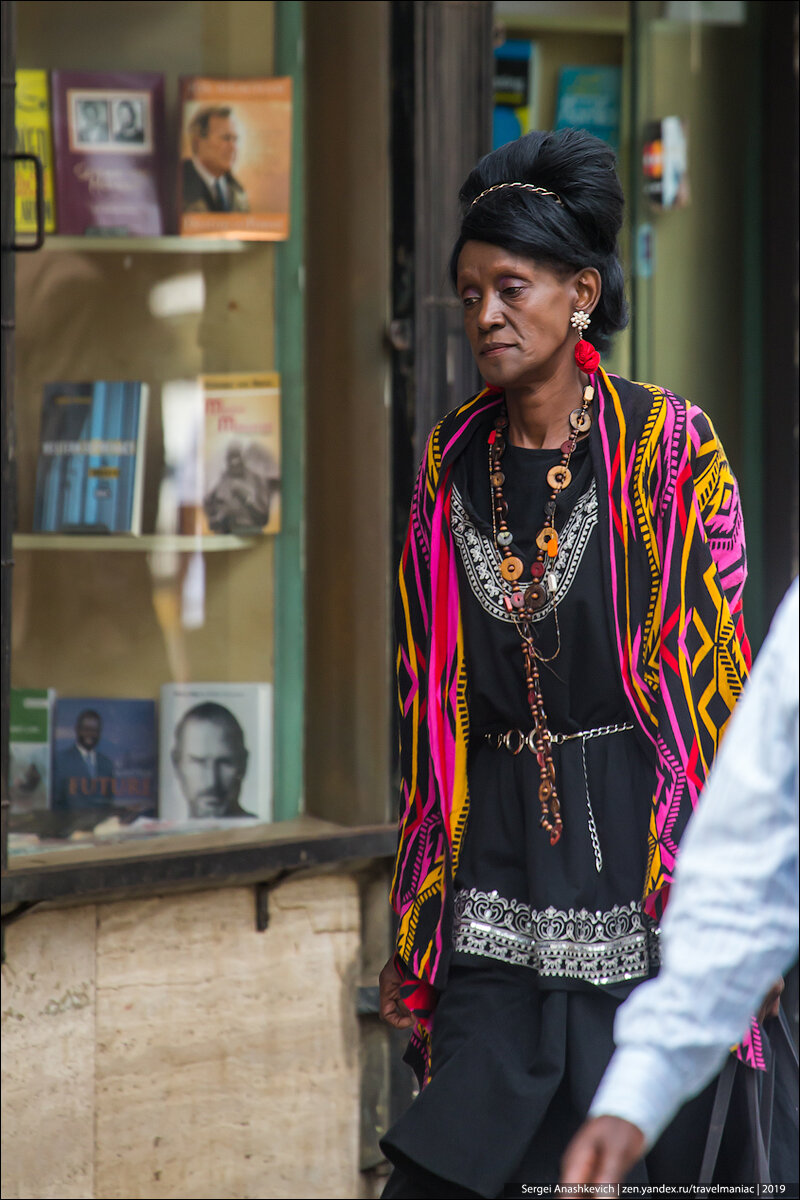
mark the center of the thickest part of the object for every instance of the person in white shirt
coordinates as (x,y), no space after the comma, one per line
(730,928)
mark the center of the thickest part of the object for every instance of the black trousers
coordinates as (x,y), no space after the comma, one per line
(515,1068)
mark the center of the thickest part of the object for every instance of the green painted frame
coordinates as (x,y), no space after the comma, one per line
(290,362)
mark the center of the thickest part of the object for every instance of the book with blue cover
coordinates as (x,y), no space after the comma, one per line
(105,756)
(91,458)
(516,90)
(589,98)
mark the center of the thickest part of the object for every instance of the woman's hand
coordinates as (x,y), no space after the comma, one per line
(770,1005)
(602,1151)
(392,1009)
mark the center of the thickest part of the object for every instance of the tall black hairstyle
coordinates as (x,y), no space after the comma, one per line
(580,232)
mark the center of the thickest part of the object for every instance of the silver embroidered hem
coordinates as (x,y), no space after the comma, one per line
(610,947)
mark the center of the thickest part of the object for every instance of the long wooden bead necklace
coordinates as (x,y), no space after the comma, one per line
(524,601)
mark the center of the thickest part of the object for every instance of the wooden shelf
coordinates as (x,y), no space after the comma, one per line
(190,861)
(518,19)
(145,245)
(186,543)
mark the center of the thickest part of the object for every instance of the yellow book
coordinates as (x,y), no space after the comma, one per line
(33,136)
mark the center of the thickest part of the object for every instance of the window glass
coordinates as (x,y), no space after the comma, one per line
(155,475)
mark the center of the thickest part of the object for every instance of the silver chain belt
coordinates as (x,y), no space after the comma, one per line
(514,740)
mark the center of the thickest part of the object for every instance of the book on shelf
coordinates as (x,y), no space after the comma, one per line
(105,756)
(233,178)
(516,90)
(589,98)
(241,453)
(33,136)
(108,133)
(91,458)
(29,748)
(215,752)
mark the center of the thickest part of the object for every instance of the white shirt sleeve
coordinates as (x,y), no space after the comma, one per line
(731,925)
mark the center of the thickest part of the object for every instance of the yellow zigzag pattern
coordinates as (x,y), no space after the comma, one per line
(643,488)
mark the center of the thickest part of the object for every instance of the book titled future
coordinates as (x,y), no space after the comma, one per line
(105,756)
(91,458)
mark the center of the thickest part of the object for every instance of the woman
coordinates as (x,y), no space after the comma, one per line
(570,648)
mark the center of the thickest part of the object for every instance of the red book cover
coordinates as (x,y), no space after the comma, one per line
(108,133)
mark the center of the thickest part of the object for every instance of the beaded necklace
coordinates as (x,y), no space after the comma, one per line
(523,604)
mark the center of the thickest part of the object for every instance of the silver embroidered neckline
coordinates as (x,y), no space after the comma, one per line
(480,557)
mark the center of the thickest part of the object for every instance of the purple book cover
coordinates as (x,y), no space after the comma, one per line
(108,135)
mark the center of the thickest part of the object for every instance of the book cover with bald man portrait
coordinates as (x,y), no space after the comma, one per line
(233,179)
(215,752)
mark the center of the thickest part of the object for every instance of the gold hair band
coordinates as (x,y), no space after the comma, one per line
(529,187)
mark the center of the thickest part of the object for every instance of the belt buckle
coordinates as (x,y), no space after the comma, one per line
(520,741)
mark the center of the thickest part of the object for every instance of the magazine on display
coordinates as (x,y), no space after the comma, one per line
(242,453)
(105,756)
(516,90)
(589,98)
(108,133)
(215,752)
(91,458)
(33,136)
(29,748)
(233,177)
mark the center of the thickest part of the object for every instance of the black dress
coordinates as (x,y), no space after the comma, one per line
(548,940)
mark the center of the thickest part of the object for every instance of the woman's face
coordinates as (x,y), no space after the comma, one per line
(516,314)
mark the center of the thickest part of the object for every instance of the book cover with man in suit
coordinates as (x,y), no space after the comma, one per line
(235,158)
(105,756)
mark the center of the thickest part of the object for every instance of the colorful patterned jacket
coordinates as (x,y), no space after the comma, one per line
(675,571)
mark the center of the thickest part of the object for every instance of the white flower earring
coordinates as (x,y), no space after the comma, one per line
(586,356)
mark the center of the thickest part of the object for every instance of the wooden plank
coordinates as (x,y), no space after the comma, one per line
(143,869)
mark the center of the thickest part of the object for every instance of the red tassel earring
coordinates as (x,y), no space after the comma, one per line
(586,356)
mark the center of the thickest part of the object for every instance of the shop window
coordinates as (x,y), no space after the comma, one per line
(158,636)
